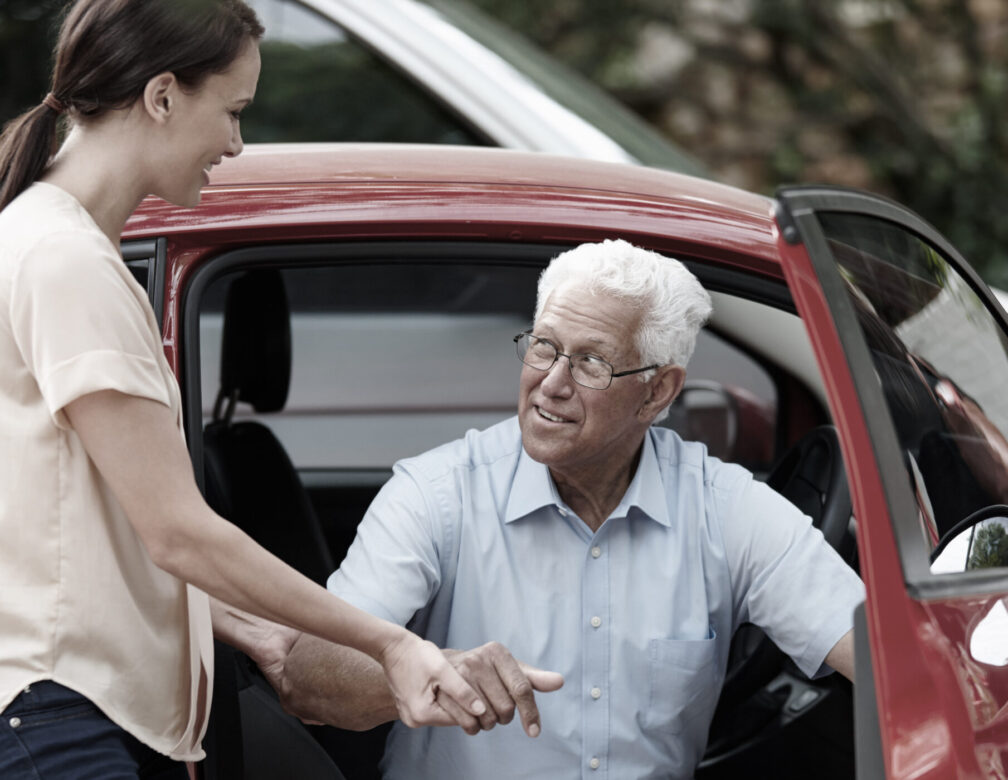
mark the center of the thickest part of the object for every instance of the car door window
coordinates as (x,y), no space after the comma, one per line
(318,83)
(940,357)
(392,358)
(388,360)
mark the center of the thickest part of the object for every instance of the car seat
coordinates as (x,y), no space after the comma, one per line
(250,479)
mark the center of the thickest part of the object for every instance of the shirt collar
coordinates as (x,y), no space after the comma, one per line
(533,488)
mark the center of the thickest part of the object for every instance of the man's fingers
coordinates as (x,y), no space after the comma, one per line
(522,693)
(505,685)
(455,714)
(541,679)
(456,688)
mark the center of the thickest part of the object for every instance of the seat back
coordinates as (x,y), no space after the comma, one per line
(250,479)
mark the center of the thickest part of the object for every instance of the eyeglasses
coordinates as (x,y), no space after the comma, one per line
(586,370)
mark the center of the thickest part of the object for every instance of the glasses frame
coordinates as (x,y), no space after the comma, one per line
(613,374)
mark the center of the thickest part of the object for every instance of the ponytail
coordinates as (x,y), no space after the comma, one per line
(26,146)
(106,53)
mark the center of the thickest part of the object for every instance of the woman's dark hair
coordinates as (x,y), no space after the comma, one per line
(106,53)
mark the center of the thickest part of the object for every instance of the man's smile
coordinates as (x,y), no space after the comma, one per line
(551,417)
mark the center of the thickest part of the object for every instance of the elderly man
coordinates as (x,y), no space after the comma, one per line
(587,542)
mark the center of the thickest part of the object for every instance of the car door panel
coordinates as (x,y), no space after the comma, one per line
(934,702)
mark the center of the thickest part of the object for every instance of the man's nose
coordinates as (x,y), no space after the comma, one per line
(558,377)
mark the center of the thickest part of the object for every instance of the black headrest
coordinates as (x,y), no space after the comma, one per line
(256,344)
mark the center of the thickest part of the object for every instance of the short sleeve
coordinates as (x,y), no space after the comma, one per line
(79,326)
(786,578)
(393,568)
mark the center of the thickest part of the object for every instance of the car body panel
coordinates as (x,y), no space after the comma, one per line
(504,195)
(508,91)
(897,662)
(940,712)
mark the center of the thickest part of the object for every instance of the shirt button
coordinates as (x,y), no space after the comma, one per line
(562,511)
(596,621)
(15,722)
(596,693)
(596,552)
(594,763)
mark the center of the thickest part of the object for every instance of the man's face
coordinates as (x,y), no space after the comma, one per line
(572,429)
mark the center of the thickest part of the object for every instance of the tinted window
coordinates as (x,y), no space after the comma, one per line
(389,360)
(393,358)
(320,84)
(940,357)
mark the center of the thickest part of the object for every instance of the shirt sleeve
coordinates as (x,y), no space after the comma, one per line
(393,568)
(78,325)
(786,579)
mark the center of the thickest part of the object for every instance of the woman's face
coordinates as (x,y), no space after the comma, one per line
(205,128)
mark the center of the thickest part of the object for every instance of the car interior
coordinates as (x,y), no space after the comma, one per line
(311,369)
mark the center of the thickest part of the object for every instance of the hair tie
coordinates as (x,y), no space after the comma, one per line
(53,102)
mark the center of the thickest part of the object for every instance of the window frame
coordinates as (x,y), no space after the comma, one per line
(796,212)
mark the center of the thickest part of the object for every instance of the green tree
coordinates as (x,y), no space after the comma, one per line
(990,547)
(902,97)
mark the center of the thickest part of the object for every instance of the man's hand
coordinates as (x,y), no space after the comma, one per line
(271,643)
(504,684)
(267,643)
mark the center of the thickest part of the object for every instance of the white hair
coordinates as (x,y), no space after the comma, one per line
(672,303)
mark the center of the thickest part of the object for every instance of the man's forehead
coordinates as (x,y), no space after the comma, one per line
(610,334)
(577,305)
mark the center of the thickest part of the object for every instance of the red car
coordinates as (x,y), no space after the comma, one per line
(330,309)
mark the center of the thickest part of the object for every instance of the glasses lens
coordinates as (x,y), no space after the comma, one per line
(591,372)
(535,352)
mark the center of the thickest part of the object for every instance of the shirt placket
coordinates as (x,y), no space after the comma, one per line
(595,688)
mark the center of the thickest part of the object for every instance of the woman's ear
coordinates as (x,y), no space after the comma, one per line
(665,387)
(159,96)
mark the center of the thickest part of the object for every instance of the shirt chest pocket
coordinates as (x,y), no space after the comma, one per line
(683,677)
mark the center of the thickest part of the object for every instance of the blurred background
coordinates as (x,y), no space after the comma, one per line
(906,98)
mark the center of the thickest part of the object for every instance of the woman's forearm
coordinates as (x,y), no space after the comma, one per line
(136,445)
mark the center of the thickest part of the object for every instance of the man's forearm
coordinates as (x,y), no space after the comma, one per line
(334,684)
(841,657)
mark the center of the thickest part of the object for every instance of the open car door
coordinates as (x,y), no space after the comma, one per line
(912,347)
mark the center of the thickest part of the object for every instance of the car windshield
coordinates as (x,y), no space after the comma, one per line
(570,89)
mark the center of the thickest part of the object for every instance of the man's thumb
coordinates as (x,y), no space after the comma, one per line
(542,680)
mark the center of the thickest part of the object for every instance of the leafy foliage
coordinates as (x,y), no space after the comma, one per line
(902,97)
(990,547)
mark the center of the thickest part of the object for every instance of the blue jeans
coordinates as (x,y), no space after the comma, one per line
(50,732)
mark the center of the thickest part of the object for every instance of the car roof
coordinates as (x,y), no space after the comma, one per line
(297,192)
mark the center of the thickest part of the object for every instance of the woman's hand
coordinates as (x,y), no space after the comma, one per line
(419,676)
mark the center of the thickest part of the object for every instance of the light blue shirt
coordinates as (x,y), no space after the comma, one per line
(470,542)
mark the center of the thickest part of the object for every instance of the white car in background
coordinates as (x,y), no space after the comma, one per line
(438,71)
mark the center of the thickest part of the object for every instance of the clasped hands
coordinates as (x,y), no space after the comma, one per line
(504,685)
(430,687)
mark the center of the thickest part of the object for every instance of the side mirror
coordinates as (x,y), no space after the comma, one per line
(735,424)
(978,542)
(706,412)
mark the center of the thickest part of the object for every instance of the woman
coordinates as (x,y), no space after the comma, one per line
(108,548)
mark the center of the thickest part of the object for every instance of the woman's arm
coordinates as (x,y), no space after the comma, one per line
(136,445)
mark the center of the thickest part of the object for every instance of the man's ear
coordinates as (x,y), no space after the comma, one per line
(159,96)
(665,388)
